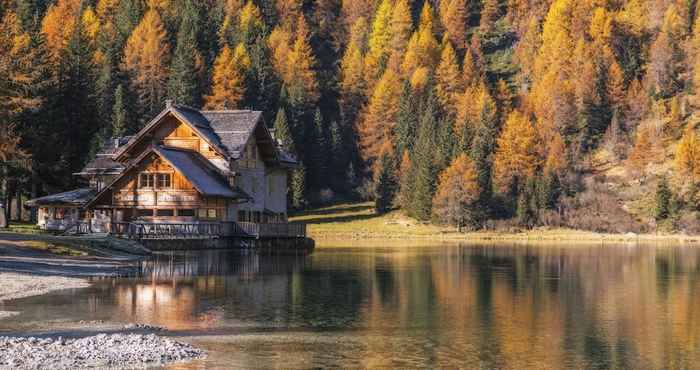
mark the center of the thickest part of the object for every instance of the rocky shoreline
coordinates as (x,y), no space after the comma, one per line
(99,351)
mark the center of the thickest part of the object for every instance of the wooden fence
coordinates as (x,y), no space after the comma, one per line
(207,230)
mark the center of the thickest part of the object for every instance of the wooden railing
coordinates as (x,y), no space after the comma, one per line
(256,230)
(78,227)
(207,230)
(166,230)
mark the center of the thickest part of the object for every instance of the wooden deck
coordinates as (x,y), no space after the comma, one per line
(206,230)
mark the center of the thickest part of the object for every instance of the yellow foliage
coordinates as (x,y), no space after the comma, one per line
(146,58)
(419,78)
(641,153)
(422,50)
(378,43)
(379,119)
(279,42)
(228,78)
(250,17)
(288,11)
(400,27)
(106,9)
(91,24)
(516,158)
(58,25)
(687,160)
(352,70)
(453,15)
(301,77)
(448,79)
(457,191)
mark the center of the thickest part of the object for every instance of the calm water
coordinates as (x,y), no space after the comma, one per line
(416,307)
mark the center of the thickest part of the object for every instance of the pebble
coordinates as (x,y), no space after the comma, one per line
(102,350)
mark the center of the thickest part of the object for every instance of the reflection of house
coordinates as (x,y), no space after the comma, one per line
(185,166)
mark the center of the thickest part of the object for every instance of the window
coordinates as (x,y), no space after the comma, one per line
(165,212)
(146,180)
(185,212)
(144,213)
(211,213)
(242,216)
(256,216)
(163,180)
(207,213)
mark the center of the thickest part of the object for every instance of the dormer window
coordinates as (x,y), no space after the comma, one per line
(164,180)
(146,180)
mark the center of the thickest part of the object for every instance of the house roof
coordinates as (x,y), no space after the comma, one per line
(199,172)
(76,198)
(104,163)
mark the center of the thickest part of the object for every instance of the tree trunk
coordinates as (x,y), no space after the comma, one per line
(4,205)
(18,204)
(33,194)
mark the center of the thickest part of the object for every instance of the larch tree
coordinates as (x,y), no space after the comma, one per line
(449,85)
(423,49)
(515,159)
(379,119)
(400,27)
(352,77)
(378,43)
(454,17)
(301,78)
(58,25)
(687,159)
(457,192)
(228,78)
(283,134)
(146,59)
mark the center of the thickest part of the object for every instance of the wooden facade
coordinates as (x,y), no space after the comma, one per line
(189,168)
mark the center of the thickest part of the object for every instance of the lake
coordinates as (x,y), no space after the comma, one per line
(453,306)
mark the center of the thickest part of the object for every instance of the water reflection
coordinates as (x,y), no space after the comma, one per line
(462,306)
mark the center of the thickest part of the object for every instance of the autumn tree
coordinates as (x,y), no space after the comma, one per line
(379,119)
(448,78)
(457,193)
(146,59)
(515,159)
(454,17)
(687,159)
(228,78)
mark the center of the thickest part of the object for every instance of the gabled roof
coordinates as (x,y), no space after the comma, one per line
(227,131)
(104,163)
(76,198)
(196,169)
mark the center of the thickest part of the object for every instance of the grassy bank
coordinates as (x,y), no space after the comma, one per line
(358,221)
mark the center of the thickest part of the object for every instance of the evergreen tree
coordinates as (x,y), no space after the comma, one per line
(482,147)
(298,188)
(282,133)
(424,167)
(663,200)
(320,153)
(119,123)
(406,121)
(339,158)
(183,84)
(384,185)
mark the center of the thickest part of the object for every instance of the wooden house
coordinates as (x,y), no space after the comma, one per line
(186,167)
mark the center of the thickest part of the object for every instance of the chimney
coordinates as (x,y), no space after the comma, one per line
(116,142)
(168,103)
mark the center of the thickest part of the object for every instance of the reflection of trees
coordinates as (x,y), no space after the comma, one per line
(490,307)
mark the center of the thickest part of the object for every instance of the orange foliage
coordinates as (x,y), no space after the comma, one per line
(516,158)
(457,191)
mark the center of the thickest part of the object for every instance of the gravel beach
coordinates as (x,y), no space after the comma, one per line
(101,351)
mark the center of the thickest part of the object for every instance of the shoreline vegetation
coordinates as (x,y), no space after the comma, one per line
(359,222)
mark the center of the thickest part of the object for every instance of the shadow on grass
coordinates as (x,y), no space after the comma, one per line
(333,209)
(349,218)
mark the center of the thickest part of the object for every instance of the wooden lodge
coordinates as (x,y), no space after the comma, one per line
(187,174)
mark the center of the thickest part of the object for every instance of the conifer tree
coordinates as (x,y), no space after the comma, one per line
(515,159)
(406,121)
(320,152)
(298,188)
(228,78)
(301,76)
(379,120)
(378,43)
(687,160)
(183,83)
(119,124)
(424,169)
(384,184)
(283,135)
(457,193)
(146,58)
(454,17)
(663,200)
(448,78)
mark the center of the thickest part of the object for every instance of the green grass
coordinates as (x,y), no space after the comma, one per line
(359,221)
(23,228)
(57,249)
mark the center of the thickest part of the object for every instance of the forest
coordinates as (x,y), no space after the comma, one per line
(472,113)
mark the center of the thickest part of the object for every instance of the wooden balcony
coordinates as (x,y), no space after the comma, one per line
(208,230)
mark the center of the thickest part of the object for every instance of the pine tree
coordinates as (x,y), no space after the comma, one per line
(424,169)
(146,58)
(282,133)
(298,188)
(320,152)
(482,147)
(183,84)
(119,115)
(384,184)
(406,121)
(663,200)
